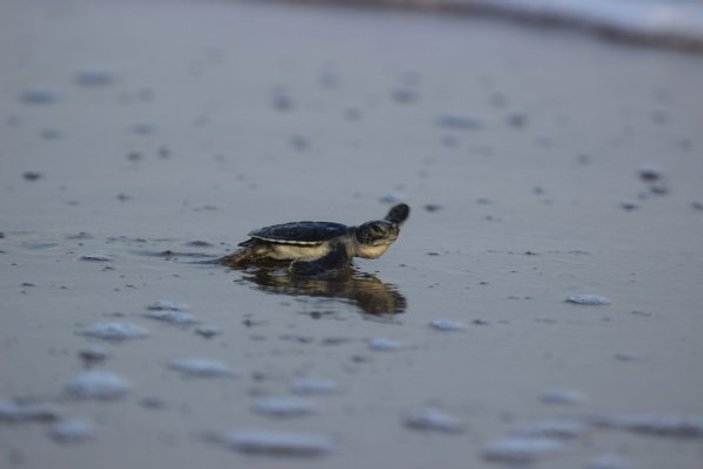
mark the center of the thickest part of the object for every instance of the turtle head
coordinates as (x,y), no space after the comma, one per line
(374,237)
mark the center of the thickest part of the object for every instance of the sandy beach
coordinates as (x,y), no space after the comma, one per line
(140,140)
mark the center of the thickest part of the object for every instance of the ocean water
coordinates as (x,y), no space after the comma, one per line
(676,23)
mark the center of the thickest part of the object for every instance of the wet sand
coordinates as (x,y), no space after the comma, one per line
(152,136)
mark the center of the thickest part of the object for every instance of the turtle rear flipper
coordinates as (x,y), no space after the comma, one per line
(398,214)
(337,258)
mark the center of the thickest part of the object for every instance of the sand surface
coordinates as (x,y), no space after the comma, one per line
(129,130)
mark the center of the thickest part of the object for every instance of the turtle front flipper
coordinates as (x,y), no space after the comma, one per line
(336,258)
(238,258)
(398,214)
(249,251)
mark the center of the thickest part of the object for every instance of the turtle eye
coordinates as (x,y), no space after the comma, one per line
(373,232)
(378,230)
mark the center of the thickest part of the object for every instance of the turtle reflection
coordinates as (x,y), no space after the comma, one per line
(364,290)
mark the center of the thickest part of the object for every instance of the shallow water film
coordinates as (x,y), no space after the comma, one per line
(540,306)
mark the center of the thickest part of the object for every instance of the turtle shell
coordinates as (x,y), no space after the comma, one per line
(300,232)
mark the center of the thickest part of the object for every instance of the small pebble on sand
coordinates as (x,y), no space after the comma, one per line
(208,330)
(299,142)
(459,122)
(627,357)
(659,188)
(32,175)
(310,386)
(152,402)
(562,396)
(404,95)
(517,119)
(282,102)
(39,96)
(629,206)
(50,134)
(93,354)
(94,77)
(96,257)
(650,172)
(198,243)
(143,128)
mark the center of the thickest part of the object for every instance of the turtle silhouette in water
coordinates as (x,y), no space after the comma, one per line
(361,289)
(314,247)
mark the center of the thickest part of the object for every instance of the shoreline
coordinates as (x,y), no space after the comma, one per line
(633,24)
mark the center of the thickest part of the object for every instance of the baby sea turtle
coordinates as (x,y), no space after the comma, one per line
(316,246)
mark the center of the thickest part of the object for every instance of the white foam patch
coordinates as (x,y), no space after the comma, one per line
(283,407)
(115,331)
(202,367)
(435,420)
(101,385)
(309,386)
(276,443)
(72,430)
(522,450)
(588,299)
